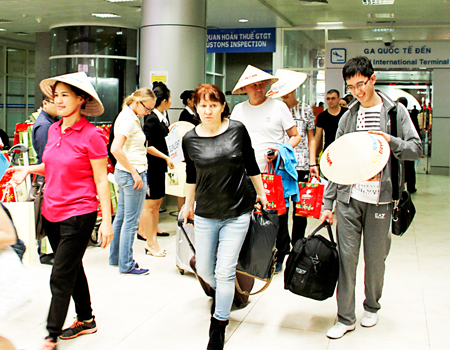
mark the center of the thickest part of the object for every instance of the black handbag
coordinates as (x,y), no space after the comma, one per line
(403,210)
(257,256)
(312,269)
(402,214)
(36,195)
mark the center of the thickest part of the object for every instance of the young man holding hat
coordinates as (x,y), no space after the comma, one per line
(364,209)
(267,120)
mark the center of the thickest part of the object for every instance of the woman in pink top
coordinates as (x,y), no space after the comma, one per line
(74,165)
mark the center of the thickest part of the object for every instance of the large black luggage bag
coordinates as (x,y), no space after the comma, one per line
(312,268)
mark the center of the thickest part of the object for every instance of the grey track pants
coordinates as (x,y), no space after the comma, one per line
(372,221)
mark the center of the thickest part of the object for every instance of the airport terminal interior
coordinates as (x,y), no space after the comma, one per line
(126,44)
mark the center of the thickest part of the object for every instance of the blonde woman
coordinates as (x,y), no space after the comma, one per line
(130,152)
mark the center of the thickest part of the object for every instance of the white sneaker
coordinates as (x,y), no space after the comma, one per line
(369,319)
(339,329)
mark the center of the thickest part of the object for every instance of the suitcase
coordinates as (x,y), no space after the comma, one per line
(183,251)
(185,239)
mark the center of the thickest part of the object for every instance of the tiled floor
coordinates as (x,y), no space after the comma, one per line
(168,311)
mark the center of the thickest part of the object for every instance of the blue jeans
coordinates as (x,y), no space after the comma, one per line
(218,243)
(126,221)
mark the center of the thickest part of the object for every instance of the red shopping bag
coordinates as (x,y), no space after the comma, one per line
(311,197)
(273,186)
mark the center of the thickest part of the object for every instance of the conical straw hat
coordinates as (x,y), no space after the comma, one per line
(181,127)
(289,80)
(252,75)
(354,158)
(93,107)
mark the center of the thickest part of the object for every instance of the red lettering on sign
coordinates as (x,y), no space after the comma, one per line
(329,159)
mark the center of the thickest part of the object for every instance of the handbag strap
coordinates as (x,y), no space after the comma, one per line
(321,226)
(394,160)
(266,285)
(267,169)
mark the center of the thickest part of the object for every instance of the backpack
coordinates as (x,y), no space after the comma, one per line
(312,268)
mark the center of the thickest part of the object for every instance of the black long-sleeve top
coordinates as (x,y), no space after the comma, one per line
(217,166)
(155,132)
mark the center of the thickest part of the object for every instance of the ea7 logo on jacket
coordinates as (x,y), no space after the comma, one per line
(380,216)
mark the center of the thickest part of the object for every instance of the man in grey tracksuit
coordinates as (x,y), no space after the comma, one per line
(365,209)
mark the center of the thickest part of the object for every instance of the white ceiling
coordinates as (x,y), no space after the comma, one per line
(413,19)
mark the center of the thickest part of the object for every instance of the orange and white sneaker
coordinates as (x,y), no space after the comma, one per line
(79,328)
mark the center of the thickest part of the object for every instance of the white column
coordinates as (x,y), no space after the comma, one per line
(173,39)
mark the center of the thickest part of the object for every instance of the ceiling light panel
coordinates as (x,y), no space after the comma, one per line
(378,2)
(105,15)
(380,15)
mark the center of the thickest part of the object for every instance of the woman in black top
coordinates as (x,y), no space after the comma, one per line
(155,130)
(218,154)
(188,114)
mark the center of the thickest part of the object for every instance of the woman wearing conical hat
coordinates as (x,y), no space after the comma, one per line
(74,165)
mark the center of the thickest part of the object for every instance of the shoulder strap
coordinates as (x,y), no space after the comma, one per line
(394,160)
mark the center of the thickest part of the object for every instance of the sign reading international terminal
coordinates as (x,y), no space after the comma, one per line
(241,40)
(400,54)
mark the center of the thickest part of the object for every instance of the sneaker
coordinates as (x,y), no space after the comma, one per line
(137,271)
(49,344)
(79,328)
(339,329)
(278,267)
(369,319)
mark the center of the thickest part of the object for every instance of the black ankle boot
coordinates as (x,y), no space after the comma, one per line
(213,305)
(217,334)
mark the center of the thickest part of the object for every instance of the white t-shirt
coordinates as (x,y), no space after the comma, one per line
(127,124)
(266,124)
(368,191)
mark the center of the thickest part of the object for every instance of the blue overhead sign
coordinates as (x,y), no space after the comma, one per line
(241,40)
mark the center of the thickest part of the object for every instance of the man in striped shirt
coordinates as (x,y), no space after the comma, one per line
(365,209)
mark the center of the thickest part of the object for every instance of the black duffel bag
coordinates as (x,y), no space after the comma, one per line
(312,268)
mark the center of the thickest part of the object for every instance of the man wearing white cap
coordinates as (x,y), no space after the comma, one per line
(364,209)
(305,152)
(267,120)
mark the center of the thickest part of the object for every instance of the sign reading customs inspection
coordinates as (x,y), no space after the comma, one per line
(241,40)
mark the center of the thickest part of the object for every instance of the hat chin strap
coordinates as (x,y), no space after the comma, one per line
(77,108)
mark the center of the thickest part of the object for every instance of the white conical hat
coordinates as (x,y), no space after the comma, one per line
(354,158)
(181,127)
(93,107)
(289,80)
(252,75)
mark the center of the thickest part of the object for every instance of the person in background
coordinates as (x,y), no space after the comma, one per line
(155,130)
(410,168)
(43,122)
(188,114)
(129,150)
(343,103)
(218,154)
(305,154)
(74,166)
(328,120)
(267,121)
(364,210)
(4,140)
(7,238)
